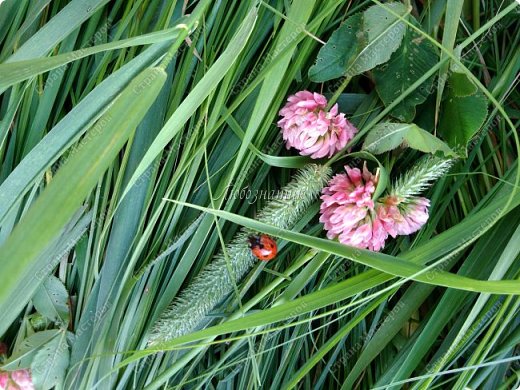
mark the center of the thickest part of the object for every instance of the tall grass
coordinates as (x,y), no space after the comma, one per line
(137,138)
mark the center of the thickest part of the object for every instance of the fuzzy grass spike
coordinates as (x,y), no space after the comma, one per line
(214,282)
(420,177)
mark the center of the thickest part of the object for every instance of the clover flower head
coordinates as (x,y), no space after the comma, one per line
(347,210)
(19,380)
(403,218)
(308,127)
(351,215)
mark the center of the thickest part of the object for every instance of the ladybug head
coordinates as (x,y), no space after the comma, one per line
(254,241)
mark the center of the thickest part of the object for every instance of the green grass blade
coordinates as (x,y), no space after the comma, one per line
(386,263)
(77,177)
(196,97)
(15,72)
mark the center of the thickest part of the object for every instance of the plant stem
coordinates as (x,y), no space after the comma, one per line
(338,92)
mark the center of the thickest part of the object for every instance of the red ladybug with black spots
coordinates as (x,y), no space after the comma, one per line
(263,247)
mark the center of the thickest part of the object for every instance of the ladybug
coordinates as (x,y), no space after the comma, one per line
(263,247)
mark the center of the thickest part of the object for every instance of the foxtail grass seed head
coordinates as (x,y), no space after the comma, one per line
(308,127)
(419,177)
(214,283)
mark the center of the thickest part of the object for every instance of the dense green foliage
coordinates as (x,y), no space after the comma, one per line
(138,142)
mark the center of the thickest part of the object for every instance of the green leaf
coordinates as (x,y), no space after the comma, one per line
(408,63)
(385,137)
(384,32)
(24,353)
(449,37)
(41,268)
(51,300)
(460,85)
(50,363)
(348,103)
(388,136)
(300,281)
(340,50)
(462,115)
(361,43)
(388,328)
(420,139)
